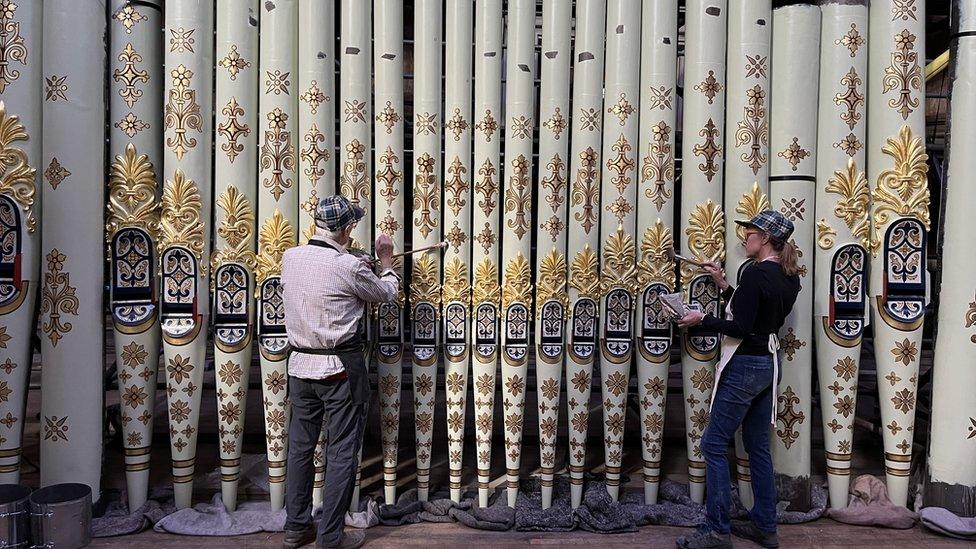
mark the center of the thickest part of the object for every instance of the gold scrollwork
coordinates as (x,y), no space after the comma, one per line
(12,47)
(709,149)
(426,199)
(555,182)
(129,76)
(902,191)
(749,205)
(552,279)
(236,228)
(487,187)
(232,129)
(457,186)
(854,202)
(276,236)
(518,282)
(182,112)
(486,288)
(424,285)
(518,196)
(58,297)
(656,264)
(621,164)
(354,183)
(619,262)
(277,154)
(658,166)
(585,274)
(180,223)
(753,130)
(851,98)
(904,74)
(456,286)
(585,188)
(16,174)
(825,235)
(314,155)
(706,237)
(132,194)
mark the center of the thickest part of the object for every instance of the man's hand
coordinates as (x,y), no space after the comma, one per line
(691,318)
(384,251)
(715,270)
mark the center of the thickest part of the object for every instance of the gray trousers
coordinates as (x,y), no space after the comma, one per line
(310,401)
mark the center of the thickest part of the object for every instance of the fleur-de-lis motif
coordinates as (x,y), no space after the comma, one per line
(182,112)
(457,186)
(904,74)
(57,297)
(354,183)
(518,196)
(129,76)
(753,129)
(314,155)
(851,98)
(232,129)
(277,154)
(658,166)
(487,187)
(902,191)
(132,194)
(584,273)
(426,199)
(621,164)
(585,189)
(709,149)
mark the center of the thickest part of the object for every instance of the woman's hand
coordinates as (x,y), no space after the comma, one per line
(691,318)
(715,271)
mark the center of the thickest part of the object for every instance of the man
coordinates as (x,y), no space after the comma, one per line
(325,291)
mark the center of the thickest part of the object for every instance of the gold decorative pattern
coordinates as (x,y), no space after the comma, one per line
(456,287)
(130,125)
(236,228)
(658,166)
(621,109)
(276,236)
(426,199)
(793,153)
(388,117)
(457,124)
(825,235)
(181,40)
(182,112)
(706,237)
(852,40)
(423,284)
(57,297)
(656,264)
(180,223)
(487,125)
(487,187)
(790,417)
(388,175)
(456,186)
(314,97)
(486,288)
(132,194)
(129,76)
(584,273)
(354,111)
(277,154)
(518,196)
(277,82)
(55,174)
(552,279)
(521,127)
(619,262)
(709,149)
(621,164)
(851,99)
(904,74)
(849,144)
(709,87)
(55,88)
(232,129)
(556,123)
(555,182)
(854,202)
(518,282)
(905,9)
(127,15)
(585,189)
(234,62)
(749,206)
(590,120)
(425,123)
(314,154)
(354,183)
(902,191)
(753,129)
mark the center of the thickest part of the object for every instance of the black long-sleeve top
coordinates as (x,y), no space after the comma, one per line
(760,305)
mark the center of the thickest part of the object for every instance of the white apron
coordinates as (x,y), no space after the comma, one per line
(729,346)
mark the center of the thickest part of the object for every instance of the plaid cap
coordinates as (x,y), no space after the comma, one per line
(772,222)
(336,212)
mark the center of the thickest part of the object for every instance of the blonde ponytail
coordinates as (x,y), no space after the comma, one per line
(788,256)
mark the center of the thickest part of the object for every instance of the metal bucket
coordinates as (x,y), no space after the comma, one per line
(14,517)
(61,516)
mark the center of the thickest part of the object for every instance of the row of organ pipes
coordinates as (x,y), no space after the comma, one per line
(813,108)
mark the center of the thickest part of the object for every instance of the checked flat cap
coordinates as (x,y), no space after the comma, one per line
(336,212)
(772,222)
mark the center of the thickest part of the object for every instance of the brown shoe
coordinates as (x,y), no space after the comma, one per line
(299,538)
(351,539)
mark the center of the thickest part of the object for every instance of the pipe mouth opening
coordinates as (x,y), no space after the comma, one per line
(60,493)
(13,493)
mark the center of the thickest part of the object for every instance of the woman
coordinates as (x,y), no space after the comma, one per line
(746,377)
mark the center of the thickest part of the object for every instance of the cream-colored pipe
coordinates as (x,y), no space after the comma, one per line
(425,284)
(72,217)
(22,96)
(951,478)
(355,155)
(388,198)
(277,219)
(618,225)
(486,292)
(655,220)
(233,261)
(793,136)
(516,232)
(456,281)
(842,232)
(132,228)
(583,245)
(551,300)
(899,222)
(702,219)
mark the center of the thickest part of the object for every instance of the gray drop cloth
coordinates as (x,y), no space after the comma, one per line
(869,506)
(944,521)
(496,516)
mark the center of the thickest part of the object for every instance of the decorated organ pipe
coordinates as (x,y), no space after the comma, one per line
(896,172)
(21,99)
(425,281)
(747,149)
(388,197)
(584,245)
(185,225)
(278,219)
(551,300)
(842,229)
(793,135)
(516,231)
(951,478)
(486,291)
(233,261)
(356,85)
(618,224)
(702,217)
(655,220)
(456,285)
(132,228)
(72,217)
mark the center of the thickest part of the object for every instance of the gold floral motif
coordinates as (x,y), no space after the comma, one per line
(354,111)
(182,112)
(658,166)
(235,228)
(387,116)
(791,344)
(851,99)
(457,186)
(749,206)
(825,235)
(55,174)
(181,40)
(487,187)
(314,97)
(486,288)
(905,9)
(585,189)
(756,66)
(55,88)
(905,352)
(849,144)
(619,262)
(904,401)
(621,109)
(521,127)
(129,76)
(457,124)
(314,154)
(180,223)
(127,15)
(709,149)
(518,282)
(234,62)
(487,125)
(556,123)
(425,123)
(354,183)
(232,129)
(709,87)
(620,208)
(130,125)
(456,287)
(970,319)
(904,74)
(753,129)
(57,297)
(277,82)
(584,273)
(426,201)
(552,279)
(903,190)
(590,119)
(656,264)
(277,154)
(660,98)
(793,153)
(518,196)
(852,40)
(424,285)
(854,202)
(706,237)
(621,164)
(276,236)
(132,194)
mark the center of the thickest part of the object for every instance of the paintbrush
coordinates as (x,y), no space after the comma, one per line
(675,255)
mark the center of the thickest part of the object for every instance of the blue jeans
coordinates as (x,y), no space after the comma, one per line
(744,397)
